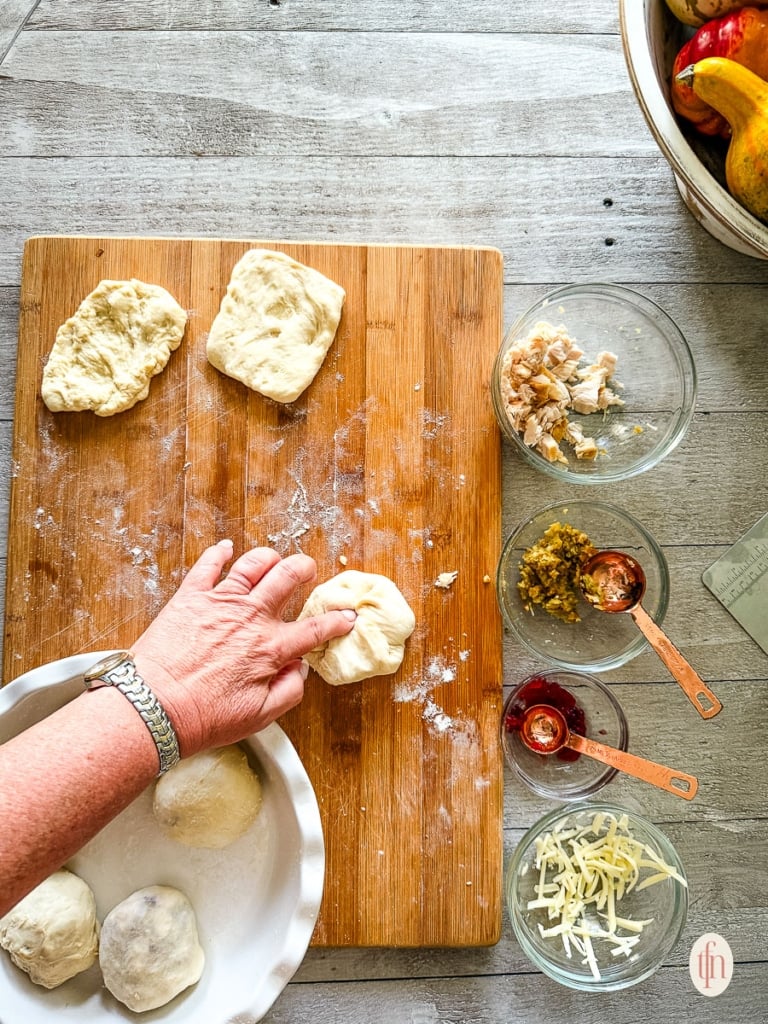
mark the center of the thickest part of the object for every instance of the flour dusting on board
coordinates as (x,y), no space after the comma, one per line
(302,516)
(419,689)
(301,513)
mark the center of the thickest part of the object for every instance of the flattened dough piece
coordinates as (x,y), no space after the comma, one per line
(208,800)
(53,933)
(149,948)
(376,644)
(105,355)
(275,325)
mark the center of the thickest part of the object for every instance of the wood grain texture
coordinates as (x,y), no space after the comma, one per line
(389,463)
(14,14)
(508,203)
(321,16)
(468,95)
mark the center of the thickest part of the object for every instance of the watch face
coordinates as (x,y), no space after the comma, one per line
(104,666)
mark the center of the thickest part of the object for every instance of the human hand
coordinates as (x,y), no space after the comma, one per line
(219,657)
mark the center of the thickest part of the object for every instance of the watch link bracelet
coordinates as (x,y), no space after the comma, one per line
(119,670)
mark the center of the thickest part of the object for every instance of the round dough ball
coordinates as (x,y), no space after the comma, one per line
(53,933)
(376,644)
(208,800)
(149,948)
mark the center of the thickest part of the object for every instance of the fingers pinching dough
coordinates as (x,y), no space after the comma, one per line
(376,644)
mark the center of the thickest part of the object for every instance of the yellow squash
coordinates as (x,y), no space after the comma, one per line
(741,97)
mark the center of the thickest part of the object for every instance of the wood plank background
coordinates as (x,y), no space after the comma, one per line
(549,161)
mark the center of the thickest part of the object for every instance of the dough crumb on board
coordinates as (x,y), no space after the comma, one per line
(105,355)
(446,579)
(276,323)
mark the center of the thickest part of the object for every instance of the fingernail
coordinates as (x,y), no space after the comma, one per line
(349,614)
(304,669)
(228,542)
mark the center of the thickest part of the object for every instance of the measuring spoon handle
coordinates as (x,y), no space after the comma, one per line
(696,690)
(679,783)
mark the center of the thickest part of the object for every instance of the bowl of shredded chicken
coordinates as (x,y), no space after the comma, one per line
(597,896)
(594,383)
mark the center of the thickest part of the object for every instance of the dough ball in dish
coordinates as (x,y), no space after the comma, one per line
(53,933)
(149,948)
(376,644)
(105,355)
(276,323)
(208,800)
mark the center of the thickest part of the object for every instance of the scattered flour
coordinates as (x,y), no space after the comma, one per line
(436,717)
(313,511)
(419,689)
(434,423)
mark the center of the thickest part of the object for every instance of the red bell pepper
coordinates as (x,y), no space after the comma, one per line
(741,36)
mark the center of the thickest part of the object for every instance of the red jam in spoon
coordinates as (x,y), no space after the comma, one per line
(541,690)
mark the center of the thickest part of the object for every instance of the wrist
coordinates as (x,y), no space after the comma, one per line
(120,672)
(179,704)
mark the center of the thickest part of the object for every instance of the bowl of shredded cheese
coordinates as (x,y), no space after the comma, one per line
(597,896)
(594,383)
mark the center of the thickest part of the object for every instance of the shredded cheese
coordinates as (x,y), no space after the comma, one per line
(584,872)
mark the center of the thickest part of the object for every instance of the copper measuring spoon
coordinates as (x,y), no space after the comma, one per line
(616,583)
(545,731)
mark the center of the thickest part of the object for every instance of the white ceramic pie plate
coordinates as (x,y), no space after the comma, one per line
(256,900)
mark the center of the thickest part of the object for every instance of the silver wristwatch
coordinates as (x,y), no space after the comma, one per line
(119,670)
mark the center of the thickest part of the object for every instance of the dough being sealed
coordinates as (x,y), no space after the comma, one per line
(53,933)
(105,355)
(208,800)
(376,644)
(275,325)
(149,948)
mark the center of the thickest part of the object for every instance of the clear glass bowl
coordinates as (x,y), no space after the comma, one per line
(600,641)
(654,365)
(665,904)
(590,708)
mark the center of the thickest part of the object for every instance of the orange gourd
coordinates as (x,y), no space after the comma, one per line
(697,12)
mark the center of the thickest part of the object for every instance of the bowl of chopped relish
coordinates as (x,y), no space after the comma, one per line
(597,896)
(538,591)
(594,383)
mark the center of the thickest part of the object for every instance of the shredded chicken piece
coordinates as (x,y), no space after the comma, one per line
(592,392)
(541,381)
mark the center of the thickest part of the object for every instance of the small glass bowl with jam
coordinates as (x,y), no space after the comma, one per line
(589,708)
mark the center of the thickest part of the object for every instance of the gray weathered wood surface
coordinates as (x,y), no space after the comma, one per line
(441,121)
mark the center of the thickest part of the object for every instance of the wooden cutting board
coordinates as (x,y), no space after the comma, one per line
(389,462)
